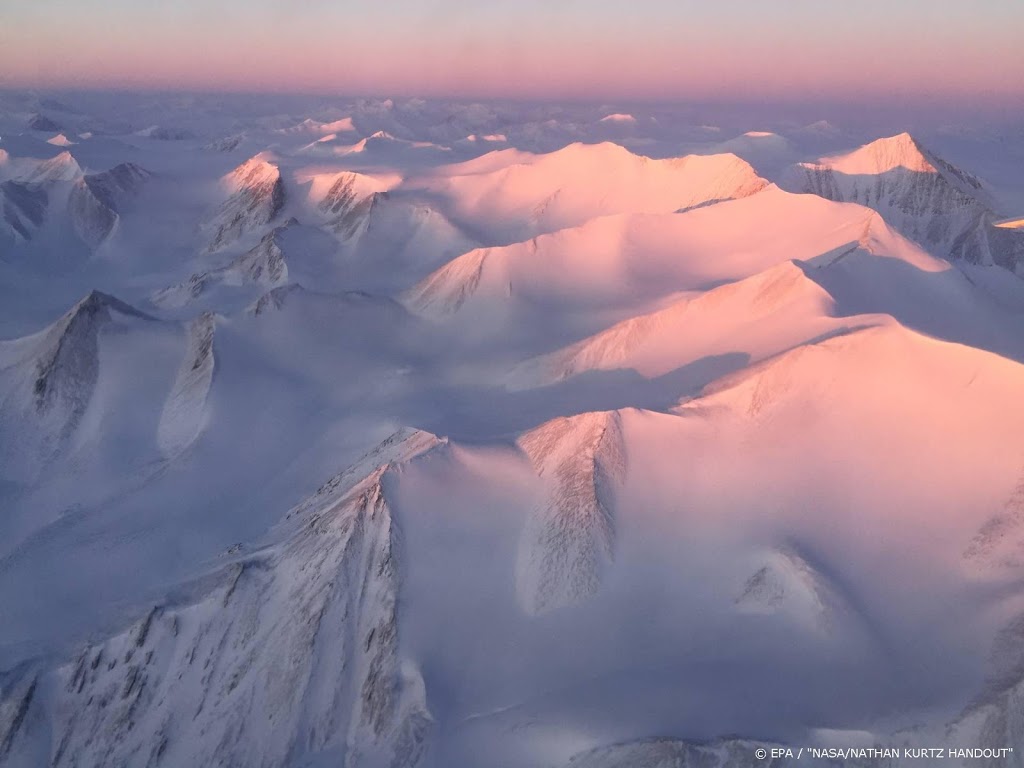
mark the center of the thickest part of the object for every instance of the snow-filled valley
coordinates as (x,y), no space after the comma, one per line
(385,434)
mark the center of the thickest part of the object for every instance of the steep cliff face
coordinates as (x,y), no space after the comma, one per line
(279,655)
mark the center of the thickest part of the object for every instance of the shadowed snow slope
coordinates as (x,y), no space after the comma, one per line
(49,380)
(94,200)
(24,209)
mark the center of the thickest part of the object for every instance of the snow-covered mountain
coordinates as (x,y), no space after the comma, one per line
(301,634)
(95,198)
(520,196)
(630,259)
(569,540)
(49,380)
(256,196)
(448,435)
(62,167)
(922,195)
(263,265)
(24,209)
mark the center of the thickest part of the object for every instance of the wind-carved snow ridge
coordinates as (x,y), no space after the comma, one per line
(262,265)
(926,198)
(93,203)
(24,209)
(256,197)
(185,413)
(568,541)
(287,653)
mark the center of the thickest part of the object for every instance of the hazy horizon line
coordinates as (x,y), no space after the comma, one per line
(809,100)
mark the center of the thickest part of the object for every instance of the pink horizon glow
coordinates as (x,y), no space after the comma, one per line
(526,59)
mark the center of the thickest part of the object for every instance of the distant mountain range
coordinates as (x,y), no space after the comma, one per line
(384,437)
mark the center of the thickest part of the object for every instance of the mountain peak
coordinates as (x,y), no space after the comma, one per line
(257,197)
(926,198)
(258,169)
(43,123)
(96,301)
(882,155)
(62,167)
(94,200)
(67,362)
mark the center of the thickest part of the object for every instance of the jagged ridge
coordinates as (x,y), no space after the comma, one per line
(290,651)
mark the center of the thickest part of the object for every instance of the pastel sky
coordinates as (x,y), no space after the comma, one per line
(862,50)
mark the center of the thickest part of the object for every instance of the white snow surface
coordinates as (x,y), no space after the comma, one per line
(395,433)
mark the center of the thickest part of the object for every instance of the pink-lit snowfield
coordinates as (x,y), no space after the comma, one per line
(401,433)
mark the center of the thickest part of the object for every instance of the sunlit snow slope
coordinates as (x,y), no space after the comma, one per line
(416,434)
